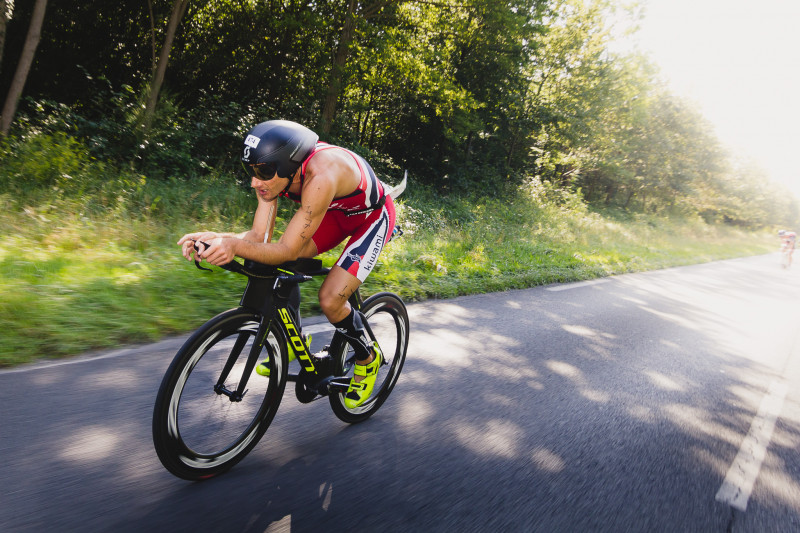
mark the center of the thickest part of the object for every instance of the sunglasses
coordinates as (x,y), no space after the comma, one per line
(262,171)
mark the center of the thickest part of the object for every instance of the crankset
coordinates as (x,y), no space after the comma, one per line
(304,388)
(309,387)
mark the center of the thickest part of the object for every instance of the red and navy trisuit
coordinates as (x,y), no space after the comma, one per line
(367,216)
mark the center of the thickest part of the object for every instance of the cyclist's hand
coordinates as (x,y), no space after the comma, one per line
(187,242)
(219,252)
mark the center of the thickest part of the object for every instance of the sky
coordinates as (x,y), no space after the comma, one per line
(739,62)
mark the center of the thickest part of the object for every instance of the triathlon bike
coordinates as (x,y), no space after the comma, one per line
(212,407)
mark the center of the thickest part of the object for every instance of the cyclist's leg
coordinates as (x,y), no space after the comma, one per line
(340,284)
(356,262)
(368,234)
(334,294)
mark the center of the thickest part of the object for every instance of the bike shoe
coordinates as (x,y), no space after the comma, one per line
(358,392)
(263,368)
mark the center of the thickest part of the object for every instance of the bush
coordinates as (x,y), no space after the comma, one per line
(45,162)
(180,143)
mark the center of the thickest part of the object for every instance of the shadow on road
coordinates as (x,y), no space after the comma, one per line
(608,407)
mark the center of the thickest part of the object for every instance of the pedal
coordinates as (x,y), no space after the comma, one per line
(336,385)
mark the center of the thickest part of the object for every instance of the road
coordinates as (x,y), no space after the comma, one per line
(660,401)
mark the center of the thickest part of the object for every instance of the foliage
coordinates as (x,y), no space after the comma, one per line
(473,97)
(89,262)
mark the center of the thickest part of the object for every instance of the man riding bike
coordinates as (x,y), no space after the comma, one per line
(788,239)
(339,196)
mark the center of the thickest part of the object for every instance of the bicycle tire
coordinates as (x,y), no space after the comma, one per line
(387,319)
(199,433)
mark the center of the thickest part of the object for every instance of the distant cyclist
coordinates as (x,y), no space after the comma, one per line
(340,197)
(788,239)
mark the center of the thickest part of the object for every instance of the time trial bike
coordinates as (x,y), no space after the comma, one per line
(212,407)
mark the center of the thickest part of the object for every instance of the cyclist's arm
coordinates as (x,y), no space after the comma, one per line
(317,195)
(261,232)
(263,222)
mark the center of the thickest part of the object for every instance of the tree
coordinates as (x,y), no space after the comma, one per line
(23,67)
(354,13)
(433,87)
(573,89)
(178,10)
(3,23)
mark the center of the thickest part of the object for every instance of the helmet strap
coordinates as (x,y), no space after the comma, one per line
(285,189)
(291,180)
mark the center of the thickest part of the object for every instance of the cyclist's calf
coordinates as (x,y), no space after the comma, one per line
(352,327)
(335,292)
(334,296)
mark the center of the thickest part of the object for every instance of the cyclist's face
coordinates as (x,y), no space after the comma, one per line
(267,188)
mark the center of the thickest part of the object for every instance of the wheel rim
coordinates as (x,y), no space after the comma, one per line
(209,428)
(392,335)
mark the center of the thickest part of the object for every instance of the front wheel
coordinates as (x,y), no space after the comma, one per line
(199,430)
(387,323)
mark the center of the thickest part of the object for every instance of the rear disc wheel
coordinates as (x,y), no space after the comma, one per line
(387,324)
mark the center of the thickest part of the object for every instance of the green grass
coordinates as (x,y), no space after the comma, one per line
(532,241)
(104,271)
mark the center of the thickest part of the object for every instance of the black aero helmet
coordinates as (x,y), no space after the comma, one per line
(278,146)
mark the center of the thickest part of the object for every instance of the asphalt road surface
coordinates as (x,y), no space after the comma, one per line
(662,401)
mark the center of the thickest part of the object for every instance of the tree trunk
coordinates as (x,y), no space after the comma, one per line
(3,23)
(628,199)
(590,190)
(153,63)
(511,148)
(337,72)
(611,192)
(363,126)
(372,135)
(24,66)
(367,11)
(178,9)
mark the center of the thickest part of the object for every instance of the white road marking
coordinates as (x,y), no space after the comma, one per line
(169,344)
(577,285)
(86,359)
(738,484)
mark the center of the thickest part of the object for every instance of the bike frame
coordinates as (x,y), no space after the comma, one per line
(269,296)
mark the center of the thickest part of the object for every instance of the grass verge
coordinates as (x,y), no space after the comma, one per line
(80,275)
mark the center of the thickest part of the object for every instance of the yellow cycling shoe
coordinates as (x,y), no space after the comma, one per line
(358,392)
(263,368)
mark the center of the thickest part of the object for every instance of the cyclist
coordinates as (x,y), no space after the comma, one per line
(788,239)
(339,197)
